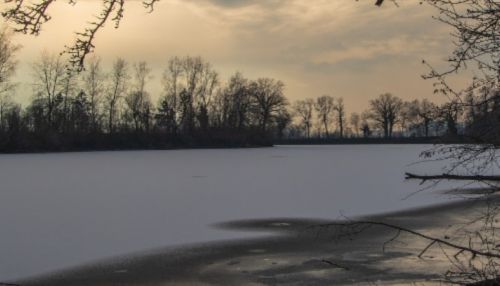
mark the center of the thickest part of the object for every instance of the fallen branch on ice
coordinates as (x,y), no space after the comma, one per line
(410,176)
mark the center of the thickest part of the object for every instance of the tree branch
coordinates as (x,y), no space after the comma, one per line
(411,176)
(433,240)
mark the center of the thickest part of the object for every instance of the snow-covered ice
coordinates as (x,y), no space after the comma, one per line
(60,210)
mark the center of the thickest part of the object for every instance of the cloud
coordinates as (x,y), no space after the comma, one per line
(310,45)
(242,3)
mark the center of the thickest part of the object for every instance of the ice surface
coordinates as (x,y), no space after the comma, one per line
(60,210)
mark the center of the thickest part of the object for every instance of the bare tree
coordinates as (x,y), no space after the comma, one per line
(366,125)
(172,85)
(450,113)
(476,34)
(340,109)
(94,86)
(69,86)
(138,101)
(355,121)
(114,103)
(8,65)
(304,110)
(407,115)
(426,112)
(49,73)
(189,85)
(142,73)
(6,104)
(268,100)
(384,111)
(116,90)
(209,79)
(283,119)
(325,106)
(8,62)
(237,100)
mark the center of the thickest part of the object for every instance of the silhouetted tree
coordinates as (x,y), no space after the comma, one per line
(384,111)
(69,87)
(267,100)
(189,84)
(165,117)
(236,102)
(138,101)
(426,112)
(94,87)
(81,114)
(7,69)
(304,110)
(116,90)
(450,113)
(208,82)
(340,109)
(283,119)
(365,124)
(172,86)
(49,73)
(355,121)
(325,106)
(6,103)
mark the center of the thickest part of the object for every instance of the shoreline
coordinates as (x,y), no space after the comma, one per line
(137,149)
(334,142)
(295,255)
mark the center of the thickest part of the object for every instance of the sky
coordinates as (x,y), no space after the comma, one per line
(343,48)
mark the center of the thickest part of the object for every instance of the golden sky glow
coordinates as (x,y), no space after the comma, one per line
(340,47)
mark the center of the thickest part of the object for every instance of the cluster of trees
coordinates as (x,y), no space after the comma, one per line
(112,109)
(326,109)
(99,109)
(481,106)
(388,116)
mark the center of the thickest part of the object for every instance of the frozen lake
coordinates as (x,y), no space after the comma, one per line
(60,210)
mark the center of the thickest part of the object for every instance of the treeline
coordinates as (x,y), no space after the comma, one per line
(99,109)
(387,117)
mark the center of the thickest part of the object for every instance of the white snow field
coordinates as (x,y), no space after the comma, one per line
(61,210)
